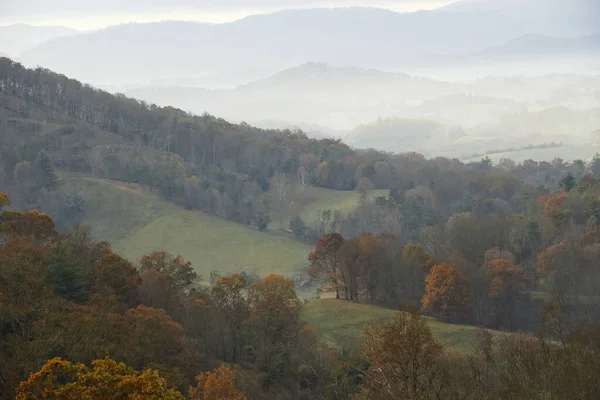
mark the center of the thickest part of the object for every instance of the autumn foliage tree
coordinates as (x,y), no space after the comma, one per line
(325,261)
(230,297)
(152,337)
(117,277)
(177,268)
(404,360)
(414,267)
(4,200)
(507,291)
(30,223)
(274,322)
(165,281)
(106,380)
(447,294)
(216,385)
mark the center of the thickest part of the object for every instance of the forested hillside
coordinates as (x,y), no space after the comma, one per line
(51,123)
(505,246)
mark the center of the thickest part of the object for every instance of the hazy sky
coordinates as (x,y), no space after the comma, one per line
(93,14)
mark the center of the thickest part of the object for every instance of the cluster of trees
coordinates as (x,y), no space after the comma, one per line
(150,328)
(369,268)
(406,362)
(494,269)
(64,295)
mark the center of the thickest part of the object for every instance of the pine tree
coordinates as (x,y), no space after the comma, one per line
(69,281)
(297,226)
(46,175)
(568,182)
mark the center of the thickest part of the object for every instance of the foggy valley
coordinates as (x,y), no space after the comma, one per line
(300,199)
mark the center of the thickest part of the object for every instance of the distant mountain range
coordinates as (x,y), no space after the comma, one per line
(341,98)
(538,45)
(314,92)
(16,38)
(361,37)
(545,17)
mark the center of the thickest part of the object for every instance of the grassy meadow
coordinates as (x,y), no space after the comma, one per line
(135,222)
(341,323)
(567,153)
(315,200)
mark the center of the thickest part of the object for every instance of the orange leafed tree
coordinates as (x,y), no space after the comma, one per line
(546,259)
(325,261)
(217,385)
(555,208)
(153,337)
(415,266)
(4,200)
(274,322)
(106,380)
(404,360)
(508,285)
(230,295)
(30,223)
(177,268)
(117,277)
(447,294)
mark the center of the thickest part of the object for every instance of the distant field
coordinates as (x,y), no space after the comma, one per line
(211,244)
(136,222)
(568,153)
(321,199)
(341,323)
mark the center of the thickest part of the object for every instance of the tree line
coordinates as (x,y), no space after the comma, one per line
(248,175)
(498,270)
(70,301)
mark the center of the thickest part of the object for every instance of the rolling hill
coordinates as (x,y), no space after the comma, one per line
(548,17)
(137,222)
(16,38)
(362,37)
(317,93)
(544,46)
(341,323)
(404,135)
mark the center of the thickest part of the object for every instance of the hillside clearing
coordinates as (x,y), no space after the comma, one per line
(341,323)
(136,222)
(567,153)
(316,200)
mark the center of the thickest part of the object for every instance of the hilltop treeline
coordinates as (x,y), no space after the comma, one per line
(49,122)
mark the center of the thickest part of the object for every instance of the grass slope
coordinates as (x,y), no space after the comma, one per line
(568,153)
(317,200)
(341,323)
(136,222)
(327,199)
(213,244)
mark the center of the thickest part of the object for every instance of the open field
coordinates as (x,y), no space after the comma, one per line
(318,199)
(136,222)
(341,323)
(567,153)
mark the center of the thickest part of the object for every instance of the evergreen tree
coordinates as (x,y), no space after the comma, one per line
(297,226)
(568,182)
(69,281)
(46,175)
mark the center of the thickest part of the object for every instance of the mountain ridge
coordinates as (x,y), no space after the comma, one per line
(16,38)
(363,37)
